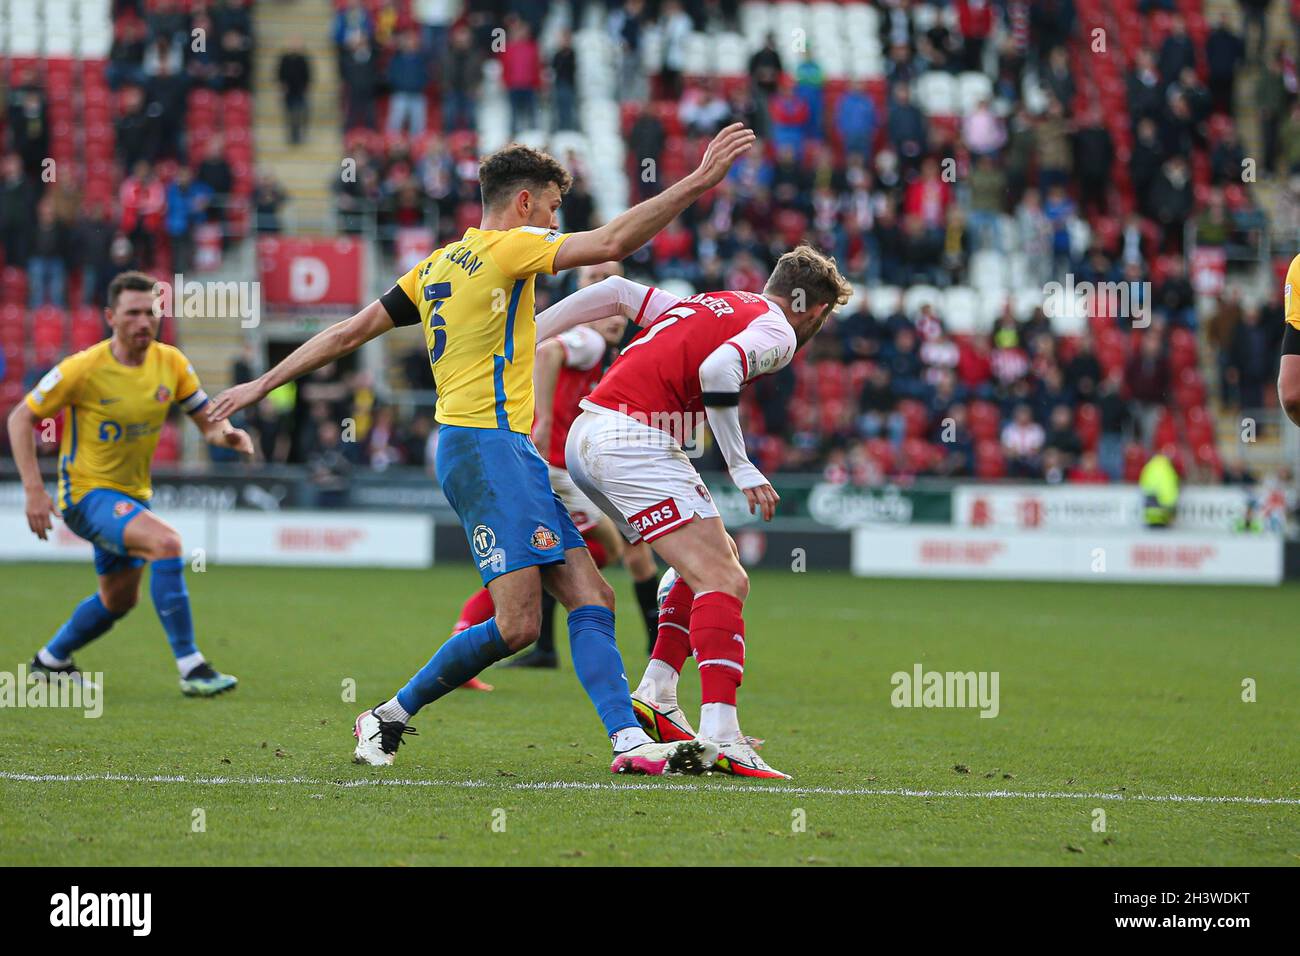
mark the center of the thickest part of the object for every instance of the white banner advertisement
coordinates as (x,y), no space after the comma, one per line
(303,538)
(340,538)
(1089,506)
(1173,557)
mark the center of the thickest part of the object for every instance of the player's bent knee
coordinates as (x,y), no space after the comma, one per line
(729,578)
(119,601)
(164,543)
(519,628)
(601,594)
(737,583)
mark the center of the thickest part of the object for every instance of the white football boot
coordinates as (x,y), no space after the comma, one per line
(377,740)
(656,759)
(738,758)
(664,724)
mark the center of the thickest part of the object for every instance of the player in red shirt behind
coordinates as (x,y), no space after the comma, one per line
(627,452)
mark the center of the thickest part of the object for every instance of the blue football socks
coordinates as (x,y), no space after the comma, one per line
(88,621)
(600,666)
(463,656)
(172,602)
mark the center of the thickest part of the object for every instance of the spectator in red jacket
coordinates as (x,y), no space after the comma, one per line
(975,365)
(928,197)
(521,69)
(674,251)
(975,21)
(144,203)
(789,114)
(1146,379)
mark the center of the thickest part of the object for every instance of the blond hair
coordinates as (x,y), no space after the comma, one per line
(804,269)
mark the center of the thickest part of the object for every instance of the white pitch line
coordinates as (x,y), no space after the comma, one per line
(665,785)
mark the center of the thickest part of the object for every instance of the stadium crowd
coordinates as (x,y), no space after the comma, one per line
(901,196)
(155,162)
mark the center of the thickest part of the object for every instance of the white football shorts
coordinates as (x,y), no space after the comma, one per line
(636,474)
(581,509)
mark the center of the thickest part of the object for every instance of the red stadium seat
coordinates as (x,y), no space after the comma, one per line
(1087,422)
(11,393)
(917,417)
(832,383)
(1198,426)
(989,460)
(918,456)
(1166,432)
(1135,456)
(882,452)
(49,329)
(985,421)
(1189,390)
(87,329)
(13,285)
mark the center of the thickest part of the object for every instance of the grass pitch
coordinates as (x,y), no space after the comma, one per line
(1125,699)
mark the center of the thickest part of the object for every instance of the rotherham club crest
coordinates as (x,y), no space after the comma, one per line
(122,508)
(544,538)
(163,394)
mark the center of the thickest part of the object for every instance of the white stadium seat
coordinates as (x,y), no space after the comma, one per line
(924,17)
(936,94)
(731,53)
(1024,301)
(919,295)
(972,88)
(991,304)
(961,310)
(678,287)
(988,270)
(885,300)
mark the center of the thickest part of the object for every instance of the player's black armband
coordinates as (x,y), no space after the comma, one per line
(720,399)
(399,307)
(1291,340)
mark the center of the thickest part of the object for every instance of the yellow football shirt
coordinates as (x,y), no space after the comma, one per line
(1291,302)
(474,298)
(115,415)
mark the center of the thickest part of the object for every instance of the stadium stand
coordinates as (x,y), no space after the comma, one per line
(1037,202)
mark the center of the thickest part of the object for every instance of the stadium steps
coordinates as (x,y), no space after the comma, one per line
(1263,456)
(305,171)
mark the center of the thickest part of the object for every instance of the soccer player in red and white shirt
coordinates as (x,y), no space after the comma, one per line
(625,451)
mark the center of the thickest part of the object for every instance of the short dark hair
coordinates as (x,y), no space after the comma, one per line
(129,282)
(515,167)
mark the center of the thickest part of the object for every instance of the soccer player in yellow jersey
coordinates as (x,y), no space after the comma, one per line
(116,396)
(474,299)
(1288,378)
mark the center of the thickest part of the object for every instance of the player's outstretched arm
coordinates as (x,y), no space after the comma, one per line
(22,439)
(613,296)
(223,434)
(340,339)
(546,374)
(629,231)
